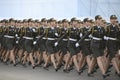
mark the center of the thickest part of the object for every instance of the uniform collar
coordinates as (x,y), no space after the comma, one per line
(12,26)
(52,28)
(87,27)
(113,25)
(74,28)
(29,26)
(99,27)
(65,28)
(4,26)
(43,27)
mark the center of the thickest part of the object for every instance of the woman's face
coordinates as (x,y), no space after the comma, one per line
(99,21)
(53,23)
(65,24)
(113,21)
(12,23)
(74,23)
(44,23)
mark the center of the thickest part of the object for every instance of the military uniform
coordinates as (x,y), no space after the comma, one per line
(97,43)
(52,35)
(73,38)
(63,43)
(18,44)
(85,45)
(28,44)
(10,38)
(9,35)
(2,32)
(42,31)
(42,41)
(112,43)
(35,36)
(51,39)
(22,40)
(119,37)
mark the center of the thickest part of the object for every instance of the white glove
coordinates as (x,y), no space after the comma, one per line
(16,35)
(56,43)
(34,42)
(77,44)
(17,42)
(33,30)
(105,38)
(90,36)
(119,52)
(81,34)
(56,34)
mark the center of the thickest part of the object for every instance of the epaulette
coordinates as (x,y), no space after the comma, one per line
(108,28)
(46,31)
(91,30)
(0,29)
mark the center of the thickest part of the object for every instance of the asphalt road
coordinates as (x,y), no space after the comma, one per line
(9,72)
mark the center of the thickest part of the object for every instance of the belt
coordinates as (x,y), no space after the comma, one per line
(71,39)
(44,38)
(65,39)
(95,38)
(37,36)
(87,40)
(7,36)
(51,39)
(28,38)
(110,38)
(18,37)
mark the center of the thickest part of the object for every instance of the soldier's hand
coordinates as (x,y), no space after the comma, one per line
(90,36)
(77,44)
(119,52)
(105,38)
(34,42)
(16,35)
(56,43)
(16,42)
(33,30)
(56,34)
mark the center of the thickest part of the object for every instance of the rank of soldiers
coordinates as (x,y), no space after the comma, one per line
(75,44)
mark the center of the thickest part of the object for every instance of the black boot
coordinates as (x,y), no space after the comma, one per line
(65,70)
(80,71)
(24,65)
(118,74)
(90,75)
(108,71)
(33,67)
(5,63)
(105,75)
(14,64)
(56,69)
(46,68)
(29,63)
(70,68)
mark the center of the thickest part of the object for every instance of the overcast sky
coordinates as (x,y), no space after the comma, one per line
(59,9)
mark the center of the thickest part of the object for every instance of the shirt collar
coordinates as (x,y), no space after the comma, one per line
(99,27)
(87,27)
(52,28)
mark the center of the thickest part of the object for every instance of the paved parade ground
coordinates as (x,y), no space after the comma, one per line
(8,72)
